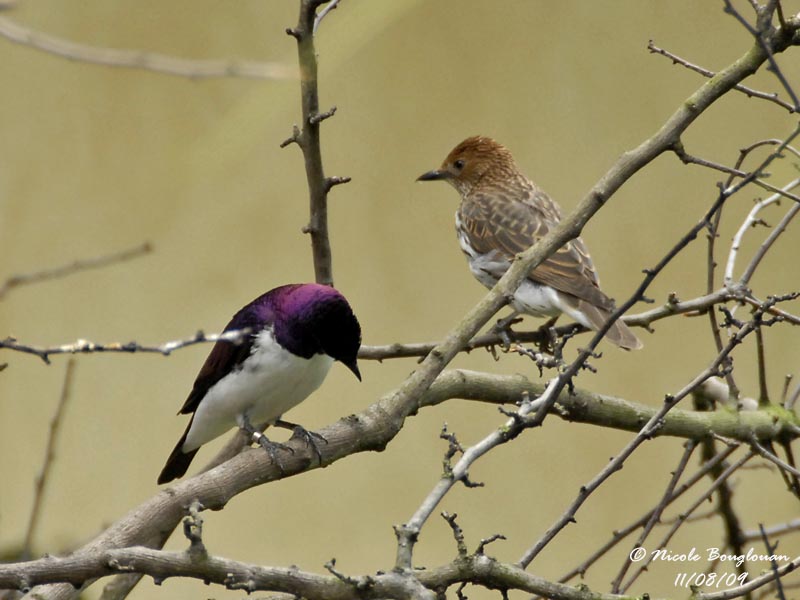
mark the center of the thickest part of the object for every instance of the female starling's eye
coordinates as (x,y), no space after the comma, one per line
(459,164)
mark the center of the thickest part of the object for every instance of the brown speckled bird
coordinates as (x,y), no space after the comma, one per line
(503,213)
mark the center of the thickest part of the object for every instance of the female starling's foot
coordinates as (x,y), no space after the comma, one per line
(549,335)
(503,329)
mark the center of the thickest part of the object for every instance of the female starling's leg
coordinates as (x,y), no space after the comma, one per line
(503,328)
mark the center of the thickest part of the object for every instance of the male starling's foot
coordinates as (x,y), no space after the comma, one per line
(309,437)
(270,447)
(503,329)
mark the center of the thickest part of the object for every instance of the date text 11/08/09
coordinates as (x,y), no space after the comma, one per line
(717,580)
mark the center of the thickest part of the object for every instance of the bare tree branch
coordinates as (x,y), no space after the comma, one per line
(308,138)
(235,575)
(49,456)
(140,59)
(87,347)
(621,534)
(748,224)
(74,267)
(750,92)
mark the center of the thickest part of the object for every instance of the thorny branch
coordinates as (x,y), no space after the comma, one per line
(379,353)
(750,92)
(87,347)
(308,137)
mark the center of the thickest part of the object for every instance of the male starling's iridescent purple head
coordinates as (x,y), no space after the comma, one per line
(308,319)
(476,161)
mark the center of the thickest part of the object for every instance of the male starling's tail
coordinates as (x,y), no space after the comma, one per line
(619,333)
(178,462)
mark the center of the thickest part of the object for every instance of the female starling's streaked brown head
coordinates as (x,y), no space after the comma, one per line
(478,160)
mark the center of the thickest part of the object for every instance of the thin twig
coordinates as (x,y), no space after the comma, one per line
(689,159)
(759,34)
(763,248)
(655,515)
(763,452)
(750,92)
(74,267)
(88,347)
(749,222)
(49,456)
(621,534)
(140,59)
(322,13)
(773,563)
(734,536)
(730,470)
(773,530)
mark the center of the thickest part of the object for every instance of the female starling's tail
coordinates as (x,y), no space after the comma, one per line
(619,333)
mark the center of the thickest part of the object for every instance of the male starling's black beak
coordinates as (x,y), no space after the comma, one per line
(353,366)
(434,175)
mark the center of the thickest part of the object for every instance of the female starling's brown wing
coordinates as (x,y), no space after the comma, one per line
(499,225)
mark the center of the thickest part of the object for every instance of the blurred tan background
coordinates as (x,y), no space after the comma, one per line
(95,160)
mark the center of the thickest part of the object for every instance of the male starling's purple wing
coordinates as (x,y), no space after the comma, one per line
(496,223)
(224,358)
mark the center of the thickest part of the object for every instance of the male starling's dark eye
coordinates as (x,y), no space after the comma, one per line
(459,164)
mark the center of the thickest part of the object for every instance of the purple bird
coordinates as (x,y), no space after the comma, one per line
(295,333)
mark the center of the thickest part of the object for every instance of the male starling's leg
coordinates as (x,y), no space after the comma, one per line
(270,447)
(310,437)
(503,328)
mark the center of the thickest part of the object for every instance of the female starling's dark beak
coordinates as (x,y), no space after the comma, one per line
(434,175)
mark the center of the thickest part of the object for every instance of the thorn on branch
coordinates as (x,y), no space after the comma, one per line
(453,447)
(333,4)
(232,583)
(292,139)
(360,583)
(471,484)
(119,567)
(458,533)
(193,529)
(332,181)
(319,117)
(294,33)
(480,550)
(460,591)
